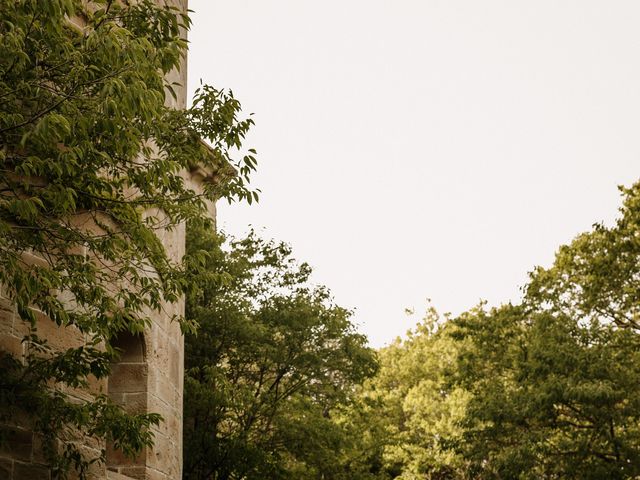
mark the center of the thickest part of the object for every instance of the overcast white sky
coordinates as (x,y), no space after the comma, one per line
(427,149)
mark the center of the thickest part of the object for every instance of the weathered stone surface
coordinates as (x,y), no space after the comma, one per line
(136,402)
(175,364)
(96,385)
(167,391)
(24,471)
(57,337)
(128,378)
(96,471)
(11,345)
(117,459)
(6,468)
(31,260)
(37,454)
(19,444)
(135,472)
(7,316)
(116,476)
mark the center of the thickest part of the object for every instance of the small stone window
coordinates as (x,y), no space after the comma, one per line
(127,386)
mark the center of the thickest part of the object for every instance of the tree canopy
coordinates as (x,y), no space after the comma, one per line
(555,379)
(272,361)
(547,388)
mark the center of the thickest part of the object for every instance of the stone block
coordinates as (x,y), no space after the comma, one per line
(171,423)
(135,403)
(111,475)
(167,391)
(6,468)
(78,395)
(117,397)
(58,337)
(25,471)
(116,476)
(7,316)
(19,444)
(11,345)
(96,385)
(128,378)
(117,459)
(138,473)
(160,321)
(175,365)
(95,471)
(37,454)
(161,450)
(160,362)
(20,328)
(157,475)
(33,260)
(158,405)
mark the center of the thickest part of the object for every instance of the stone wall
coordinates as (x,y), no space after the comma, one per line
(147,378)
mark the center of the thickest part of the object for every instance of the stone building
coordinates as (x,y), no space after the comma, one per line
(147,378)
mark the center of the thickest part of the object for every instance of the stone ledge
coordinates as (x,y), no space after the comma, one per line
(117,476)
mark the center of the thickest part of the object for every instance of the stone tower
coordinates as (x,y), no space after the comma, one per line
(147,378)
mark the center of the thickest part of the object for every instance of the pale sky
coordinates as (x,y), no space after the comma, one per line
(427,149)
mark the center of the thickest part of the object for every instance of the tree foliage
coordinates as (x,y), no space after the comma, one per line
(93,162)
(557,399)
(272,360)
(556,379)
(408,417)
(546,389)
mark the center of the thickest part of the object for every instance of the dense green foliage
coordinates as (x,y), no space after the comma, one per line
(93,164)
(272,362)
(546,389)
(557,399)
(408,418)
(559,396)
